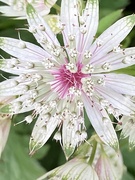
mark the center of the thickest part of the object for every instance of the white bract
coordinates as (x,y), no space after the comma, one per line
(59,82)
(75,169)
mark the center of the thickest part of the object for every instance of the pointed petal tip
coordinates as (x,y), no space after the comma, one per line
(68,152)
(33,147)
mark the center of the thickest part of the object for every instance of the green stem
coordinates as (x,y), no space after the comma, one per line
(93,152)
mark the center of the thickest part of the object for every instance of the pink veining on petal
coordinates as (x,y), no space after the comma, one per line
(64,79)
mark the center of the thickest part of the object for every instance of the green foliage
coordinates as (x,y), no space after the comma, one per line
(108,20)
(16,163)
(106,7)
(127,176)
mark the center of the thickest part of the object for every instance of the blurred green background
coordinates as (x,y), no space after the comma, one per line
(15,163)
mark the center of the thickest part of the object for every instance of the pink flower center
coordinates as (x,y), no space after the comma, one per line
(64,79)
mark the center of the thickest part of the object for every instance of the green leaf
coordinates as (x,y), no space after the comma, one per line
(129,70)
(16,163)
(108,20)
(129,160)
(106,7)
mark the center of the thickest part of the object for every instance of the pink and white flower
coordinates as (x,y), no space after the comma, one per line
(93,160)
(59,82)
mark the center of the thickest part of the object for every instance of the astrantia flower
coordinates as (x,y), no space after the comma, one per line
(59,82)
(93,161)
(16,8)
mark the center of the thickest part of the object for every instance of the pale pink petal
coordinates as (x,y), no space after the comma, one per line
(22,49)
(101,122)
(122,103)
(69,19)
(90,25)
(39,28)
(122,83)
(115,60)
(112,37)
(42,131)
(5,123)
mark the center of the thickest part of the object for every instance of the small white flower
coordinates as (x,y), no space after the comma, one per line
(57,83)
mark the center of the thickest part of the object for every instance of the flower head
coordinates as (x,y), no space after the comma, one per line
(59,82)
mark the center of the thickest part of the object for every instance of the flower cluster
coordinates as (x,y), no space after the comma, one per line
(57,82)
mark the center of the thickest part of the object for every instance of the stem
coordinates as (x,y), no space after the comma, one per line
(93,152)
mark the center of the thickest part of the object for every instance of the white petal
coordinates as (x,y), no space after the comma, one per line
(122,83)
(9,11)
(75,169)
(116,60)
(22,49)
(122,103)
(101,122)
(113,36)
(5,123)
(42,30)
(42,131)
(69,17)
(90,15)
(69,137)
